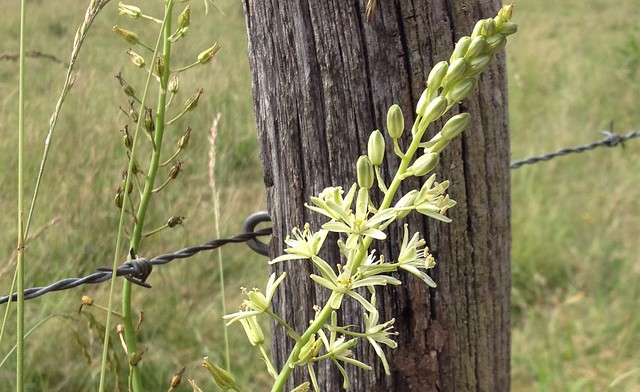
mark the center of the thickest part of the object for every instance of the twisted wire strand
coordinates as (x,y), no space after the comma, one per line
(611,139)
(137,270)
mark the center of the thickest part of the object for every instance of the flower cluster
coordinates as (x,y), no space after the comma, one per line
(358,221)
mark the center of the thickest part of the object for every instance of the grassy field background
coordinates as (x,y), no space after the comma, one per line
(573,68)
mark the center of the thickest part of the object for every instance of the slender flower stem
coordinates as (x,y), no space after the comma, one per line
(130,334)
(21,231)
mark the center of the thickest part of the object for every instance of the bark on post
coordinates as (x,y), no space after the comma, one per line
(323,79)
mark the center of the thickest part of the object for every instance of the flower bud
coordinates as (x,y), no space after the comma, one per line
(208,54)
(495,43)
(136,59)
(424,164)
(222,378)
(423,102)
(174,84)
(505,12)
(192,102)
(460,49)
(455,71)
(130,10)
(128,36)
(375,148)
(406,201)
(438,146)
(460,90)
(508,28)
(489,28)
(478,64)
(435,109)
(476,47)
(366,176)
(478,29)
(437,74)
(455,126)
(395,121)
(183,142)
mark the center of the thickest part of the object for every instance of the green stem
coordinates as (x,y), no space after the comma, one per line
(21,231)
(325,313)
(130,333)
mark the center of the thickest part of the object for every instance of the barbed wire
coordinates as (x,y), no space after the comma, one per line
(137,270)
(611,139)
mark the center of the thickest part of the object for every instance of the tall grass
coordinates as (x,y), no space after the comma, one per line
(575,219)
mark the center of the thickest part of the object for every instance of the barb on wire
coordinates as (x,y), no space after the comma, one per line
(611,139)
(136,270)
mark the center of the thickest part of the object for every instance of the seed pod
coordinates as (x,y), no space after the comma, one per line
(176,380)
(119,198)
(129,10)
(127,35)
(175,221)
(174,84)
(127,140)
(136,59)
(149,124)
(158,67)
(375,148)
(192,101)
(175,170)
(208,54)
(184,19)
(183,142)
(395,121)
(222,378)
(365,173)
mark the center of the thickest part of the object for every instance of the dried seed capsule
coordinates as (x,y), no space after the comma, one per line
(183,142)
(174,84)
(129,10)
(208,54)
(222,378)
(128,36)
(192,101)
(136,59)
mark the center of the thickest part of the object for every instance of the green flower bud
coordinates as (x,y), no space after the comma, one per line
(130,10)
(478,64)
(423,102)
(508,28)
(366,176)
(192,102)
(495,43)
(505,12)
(406,201)
(455,71)
(461,48)
(461,90)
(438,146)
(478,29)
(136,59)
(174,84)
(128,36)
(183,142)
(375,148)
(184,19)
(476,47)
(395,121)
(435,109)
(489,28)
(424,164)
(456,125)
(222,378)
(208,54)
(437,74)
